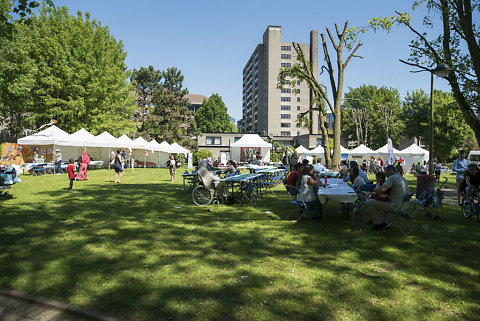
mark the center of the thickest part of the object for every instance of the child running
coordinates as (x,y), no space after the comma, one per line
(71,173)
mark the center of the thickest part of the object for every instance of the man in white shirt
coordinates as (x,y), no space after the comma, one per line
(318,167)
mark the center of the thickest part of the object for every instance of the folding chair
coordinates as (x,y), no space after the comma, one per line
(365,190)
(293,193)
(402,215)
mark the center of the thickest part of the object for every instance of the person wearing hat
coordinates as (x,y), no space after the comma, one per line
(58,161)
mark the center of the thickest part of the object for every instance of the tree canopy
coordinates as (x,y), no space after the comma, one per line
(451,130)
(372,114)
(457,44)
(212,116)
(66,68)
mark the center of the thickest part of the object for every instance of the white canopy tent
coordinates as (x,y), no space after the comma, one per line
(319,150)
(413,154)
(54,137)
(161,151)
(246,147)
(362,152)
(164,147)
(50,136)
(382,151)
(107,140)
(179,149)
(125,142)
(304,153)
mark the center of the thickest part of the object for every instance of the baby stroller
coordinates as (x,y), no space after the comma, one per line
(428,198)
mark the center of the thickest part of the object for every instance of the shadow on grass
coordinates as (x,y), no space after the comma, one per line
(126,250)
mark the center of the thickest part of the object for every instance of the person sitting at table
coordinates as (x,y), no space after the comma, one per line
(254,160)
(356,179)
(398,187)
(293,179)
(231,168)
(380,177)
(318,167)
(354,164)
(342,169)
(307,192)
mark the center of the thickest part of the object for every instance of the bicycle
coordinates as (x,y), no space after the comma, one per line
(472,209)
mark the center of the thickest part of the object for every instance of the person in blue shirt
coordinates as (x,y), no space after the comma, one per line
(460,166)
(318,167)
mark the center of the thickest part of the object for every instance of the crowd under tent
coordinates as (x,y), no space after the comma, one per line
(249,145)
(414,154)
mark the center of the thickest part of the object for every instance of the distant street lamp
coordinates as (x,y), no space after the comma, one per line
(442,70)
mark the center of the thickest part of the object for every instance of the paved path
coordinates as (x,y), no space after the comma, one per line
(17,306)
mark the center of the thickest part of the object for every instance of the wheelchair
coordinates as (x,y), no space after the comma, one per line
(204,195)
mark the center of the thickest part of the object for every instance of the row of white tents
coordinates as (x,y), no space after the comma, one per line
(411,155)
(99,147)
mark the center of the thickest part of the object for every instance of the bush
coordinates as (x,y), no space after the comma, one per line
(275,157)
(200,155)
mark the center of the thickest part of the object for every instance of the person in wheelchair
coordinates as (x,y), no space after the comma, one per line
(471,182)
(209,179)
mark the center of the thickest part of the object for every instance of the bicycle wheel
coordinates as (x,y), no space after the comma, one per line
(466,209)
(202,196)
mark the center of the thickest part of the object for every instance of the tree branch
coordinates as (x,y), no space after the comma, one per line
(352,54)
(415,65)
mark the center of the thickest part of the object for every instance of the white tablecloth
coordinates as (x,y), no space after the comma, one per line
(337,191)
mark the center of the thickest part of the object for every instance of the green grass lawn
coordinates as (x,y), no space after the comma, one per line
(126,250)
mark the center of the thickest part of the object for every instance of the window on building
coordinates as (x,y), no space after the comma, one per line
(213,140)
(285,125)
(286,116)
(298,133)
(297,90)
(286,107)
(286,64)
(286,98)
(284,133)
(286,82)
(319,141)
(286,48)
(298,125)
(236,139)
(298,108)
(284,56)
(298,99)
(298,82)
(286,90)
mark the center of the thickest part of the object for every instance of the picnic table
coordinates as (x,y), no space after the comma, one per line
(243,184)
(338,191)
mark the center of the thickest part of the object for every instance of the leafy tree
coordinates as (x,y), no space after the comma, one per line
(451,129)
(372,114)
(304,71)
(67,68)
(146,81)
(458,45)
(21,8)
(212,116)
(170,118)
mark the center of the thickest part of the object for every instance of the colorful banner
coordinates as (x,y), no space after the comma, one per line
(190,161)
(11,154)
(246,153)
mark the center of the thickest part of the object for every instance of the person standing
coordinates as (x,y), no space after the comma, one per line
(293,161)
(35,155)
(82,170)
(118,166)
(71,173)
(460,166)
(124,158)
(172,164)
(58,160)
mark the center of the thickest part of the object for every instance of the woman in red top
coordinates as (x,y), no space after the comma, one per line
(82,170)
(71,172)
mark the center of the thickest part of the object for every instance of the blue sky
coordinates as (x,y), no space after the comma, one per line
(211,40)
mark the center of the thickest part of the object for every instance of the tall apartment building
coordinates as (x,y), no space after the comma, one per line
(267,109)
